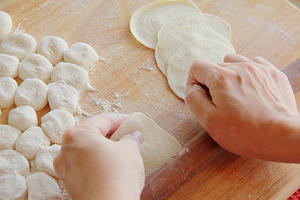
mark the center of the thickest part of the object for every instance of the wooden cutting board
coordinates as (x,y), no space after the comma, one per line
(129,78)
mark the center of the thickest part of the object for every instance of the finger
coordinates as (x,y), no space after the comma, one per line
(135,136)
(59,167)
(261,60)
(235,58)
(106,124)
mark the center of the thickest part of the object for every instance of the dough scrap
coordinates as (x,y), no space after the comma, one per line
(8,66)
(81,54)
(22,117)
(73,75)
(158,146)
(56,122)
(13,187)
(8,88)
(8,136)
(12,161)
(6,24)
(62,95)
(35,66)
(147,20)
(31,141)
(42,187)
(53,48)
(18,44)
(32,92)
(44,159)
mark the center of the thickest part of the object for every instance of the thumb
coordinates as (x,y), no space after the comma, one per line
(135,136)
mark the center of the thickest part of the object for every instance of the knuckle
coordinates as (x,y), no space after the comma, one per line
(69,136)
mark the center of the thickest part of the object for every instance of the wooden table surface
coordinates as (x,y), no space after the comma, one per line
(128,74)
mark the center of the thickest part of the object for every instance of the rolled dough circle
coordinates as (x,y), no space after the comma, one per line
(16,162)
(6,24)
(8,136)
(13,187)
(22,117)
(8,66)
(8,88)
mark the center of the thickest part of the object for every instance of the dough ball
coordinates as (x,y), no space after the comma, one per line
(35,66)
(8,65)
(44,159)
(8,88)
(81,54)
(52,48)
(12,161)
(13,187)
(18,44)
(8,136)
(62,95)
(71,74)
(32,92)
(22,117)
(41,186)
(5,24)
(30,142)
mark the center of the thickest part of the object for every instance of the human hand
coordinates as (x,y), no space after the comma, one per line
(94,167)
(250,109)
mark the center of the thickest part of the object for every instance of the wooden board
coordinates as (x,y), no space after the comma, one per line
(265,28)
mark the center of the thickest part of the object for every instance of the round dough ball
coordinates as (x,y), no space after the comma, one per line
(52,48)
(55,123)
(62,95)
(18,44)
(22,117)
(8,88)
(71,74)
(44,159)
(30,142)
(8,136)
(12,161)
(6,24)
(32,92)
(35,66)
(81,54)
(8,66)
(42,187)
(13,187)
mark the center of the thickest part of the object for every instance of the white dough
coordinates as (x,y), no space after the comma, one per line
(147,20)
(32,92)
(44,159)
(180,63)
(8,66)
(8,136)
(22,117)
(12,161)
(8,88)
(72,74)
(81,54)
(53,48)
(18,44)
(13,187)
(56,122)
(62,95)
(42,187)
(35,66)
(31,141)
(158,146)
(5,24)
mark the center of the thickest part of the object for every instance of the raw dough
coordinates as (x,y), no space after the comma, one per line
(11,161)
(147,20)
(44,159)
(13,187)
(5,24)
(62,95)
(56,122)
(8,65)
(8,88)
(32,92)
(18,44)
(30,142)
(53,48)
(158,146)
(42,187)
(8,136)
(22,117)
(81,54)
(180,63)
(35,66)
